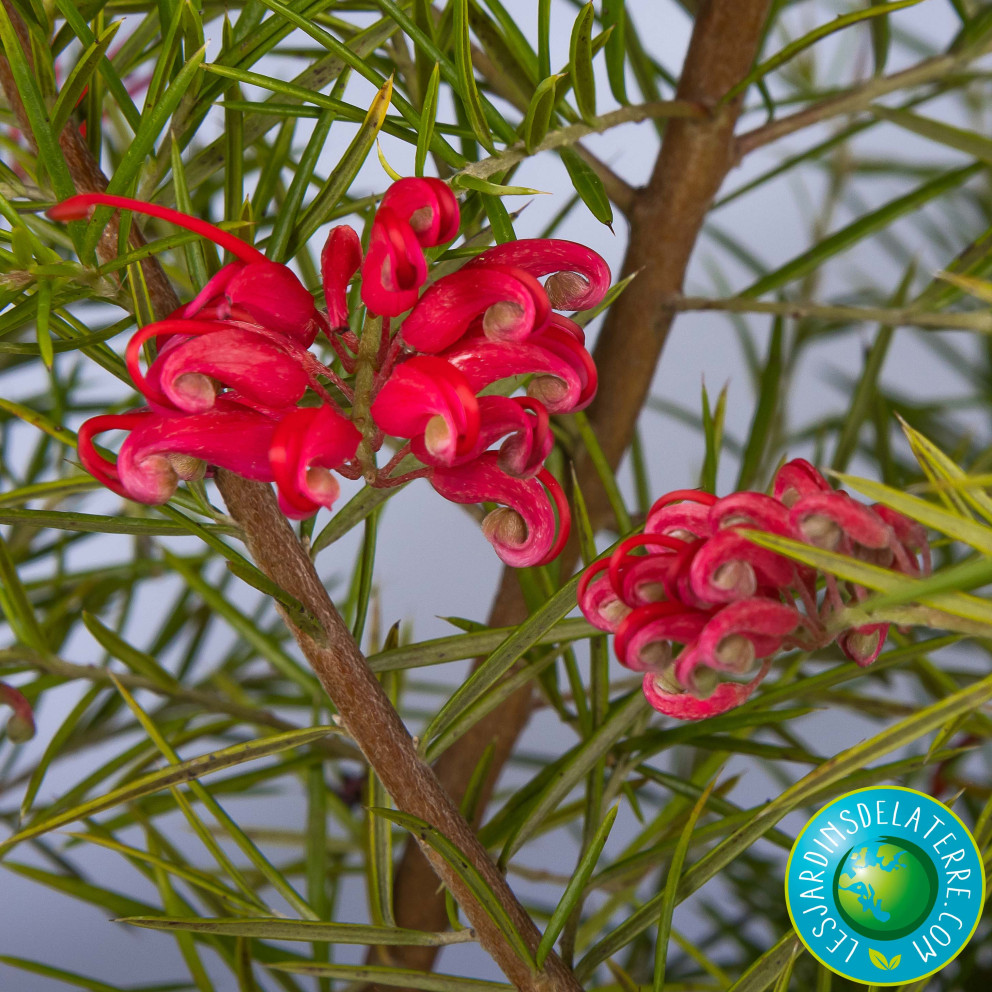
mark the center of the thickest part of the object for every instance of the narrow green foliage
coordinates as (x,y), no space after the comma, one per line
(71,91)
(404,978)
(588,185)
(181,771)
(860,229)
(606,475)
(544,38)
(501,660)
(972,143)
(139,662)
(446,849)
(667,908)
(580,68)
(537,119)
(467,89)
(763,423)
(428,117)
(573,893)
(15,604)
(713,419)
(615,16)
(304,930)
(881,41)
(790,51)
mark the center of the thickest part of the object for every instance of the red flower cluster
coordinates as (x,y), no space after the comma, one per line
(232,367)
(730,604)
(489,321)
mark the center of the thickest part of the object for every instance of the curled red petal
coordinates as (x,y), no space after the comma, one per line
(205,304)
(798,478)
(151,460)
(749,509)
(101,468)
(597,598)
(272,296)
(339,261)
(644,637)
(523,531)
(764,622)
(685,706)
(541,256)
(621,559)
(484,362)
(644,578)
(173,330)
(824,519)
(510,302)
(394,268)
(687,519)
(417,392)
(427,205)
(564,515)
(266,370)
(525,450)
(563,344)
(525,425)
(729,567)
(307,444)
(864,644)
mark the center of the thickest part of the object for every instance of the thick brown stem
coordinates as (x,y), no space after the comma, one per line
(665,220)
(377,729)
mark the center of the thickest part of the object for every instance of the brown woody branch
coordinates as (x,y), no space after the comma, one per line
(364,708)
(665,218)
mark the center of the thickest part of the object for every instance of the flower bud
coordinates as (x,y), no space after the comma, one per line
(704,682)
(736,654)
(504,526)
(563,288)
(736,576)
(821,531)
(501,319)
(20,728)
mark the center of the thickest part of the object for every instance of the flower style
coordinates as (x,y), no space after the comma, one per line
(702,611)
(232,383)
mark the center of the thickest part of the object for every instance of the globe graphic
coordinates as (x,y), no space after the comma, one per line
(885,887)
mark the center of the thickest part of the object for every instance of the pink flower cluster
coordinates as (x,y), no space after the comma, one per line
(232,382)
(701,610)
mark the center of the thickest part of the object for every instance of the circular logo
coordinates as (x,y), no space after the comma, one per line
(885,885)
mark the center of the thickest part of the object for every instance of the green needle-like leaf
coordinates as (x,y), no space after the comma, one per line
(304,930)
(580,63)
(573,893)
(467,89)
(184,771)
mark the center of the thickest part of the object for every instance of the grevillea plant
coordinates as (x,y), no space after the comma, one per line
(702,611)
(233,384)
(277,710)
